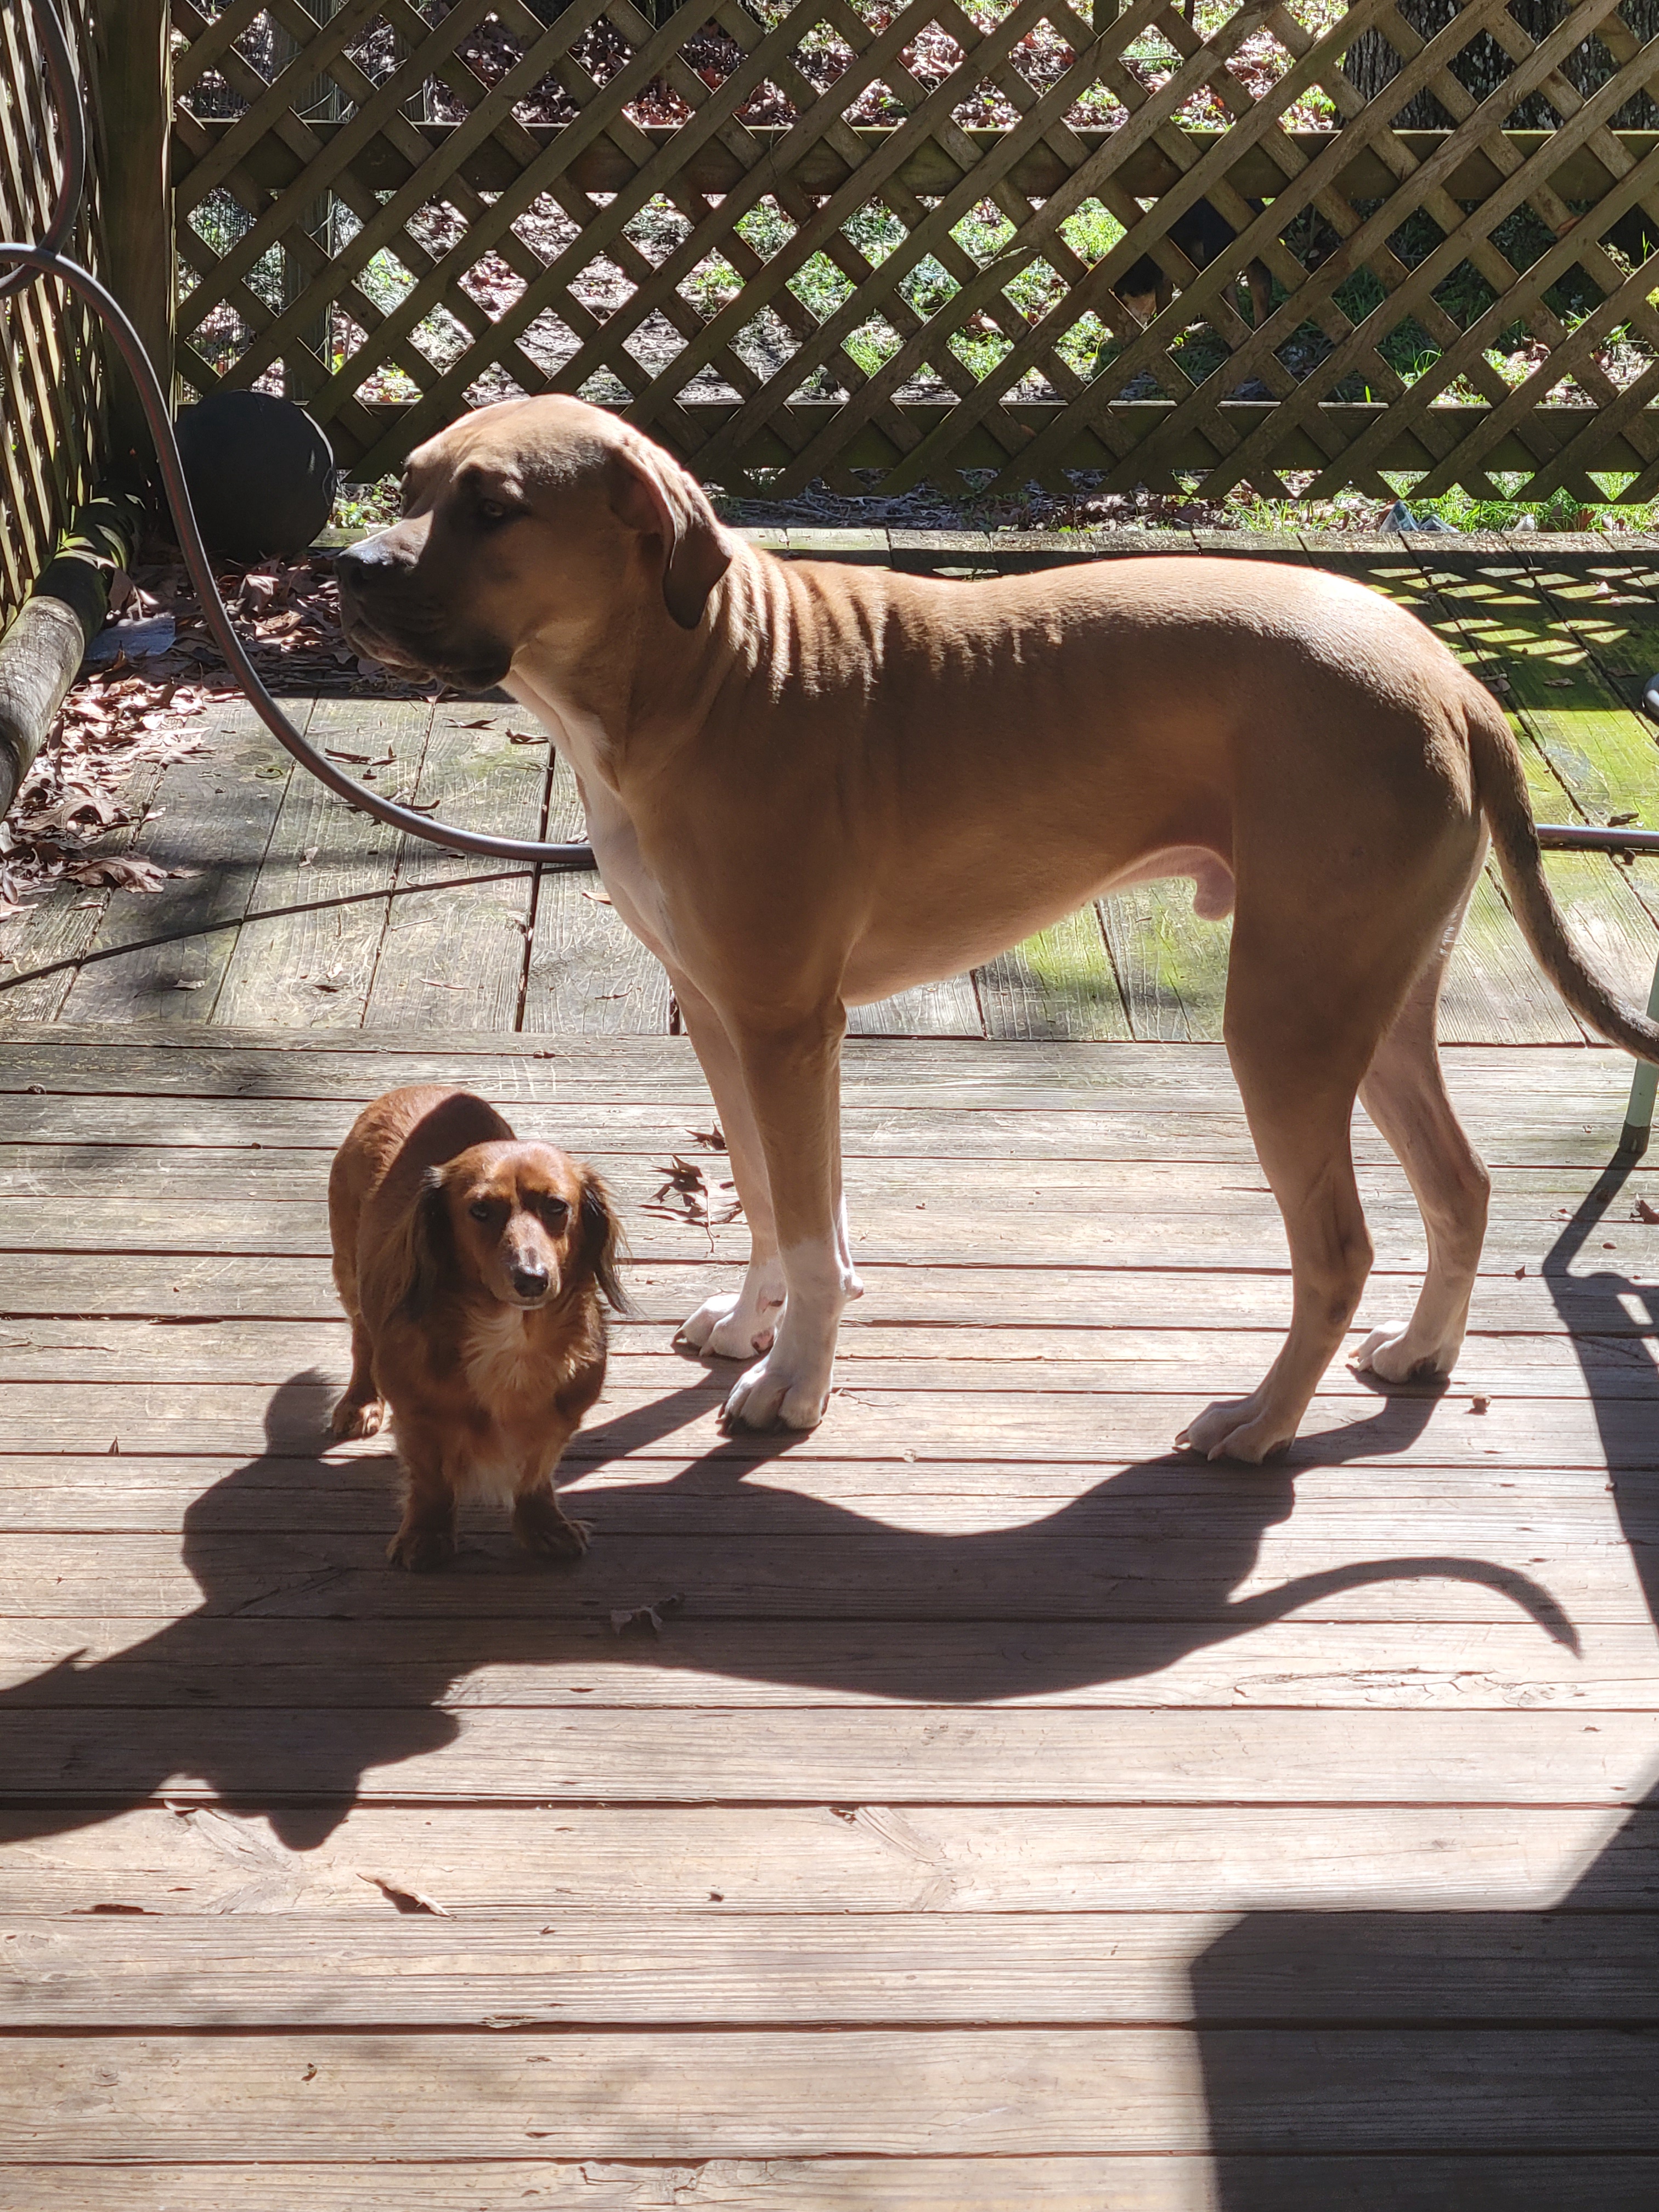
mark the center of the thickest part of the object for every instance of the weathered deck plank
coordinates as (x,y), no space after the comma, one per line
(316,969)
(211,818)
(456,957)
(793,2092)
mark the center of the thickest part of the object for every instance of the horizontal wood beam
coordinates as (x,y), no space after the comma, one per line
(1545,429)
(603,166)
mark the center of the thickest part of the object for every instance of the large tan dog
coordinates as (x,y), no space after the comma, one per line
(811,785)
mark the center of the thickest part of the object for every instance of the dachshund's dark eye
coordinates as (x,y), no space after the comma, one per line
(554,1211)
(481,1209)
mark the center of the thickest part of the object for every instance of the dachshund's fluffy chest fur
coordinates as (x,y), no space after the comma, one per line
(503,1365)
(514,1368)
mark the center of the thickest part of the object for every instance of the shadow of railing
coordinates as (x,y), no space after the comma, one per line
(1460,2059)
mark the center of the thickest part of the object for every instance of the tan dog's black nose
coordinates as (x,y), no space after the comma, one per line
(370,564)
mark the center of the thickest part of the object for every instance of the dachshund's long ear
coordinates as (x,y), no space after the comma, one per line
(423,1251)
(602,1240)
(652,494)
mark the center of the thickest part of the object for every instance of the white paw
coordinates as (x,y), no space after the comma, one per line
(1396,1356)
(731,1327)
(777,1394)
(1236,1428)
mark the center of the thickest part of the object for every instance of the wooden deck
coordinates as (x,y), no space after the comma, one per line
(1006,1811)
(1009,1812)
(425,941)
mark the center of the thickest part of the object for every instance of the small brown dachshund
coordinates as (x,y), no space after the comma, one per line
(472,1266)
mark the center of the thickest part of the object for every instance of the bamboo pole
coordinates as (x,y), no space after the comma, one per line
(41,652)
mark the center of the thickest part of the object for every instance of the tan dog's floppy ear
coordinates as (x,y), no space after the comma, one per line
(652,495)
(602,1240)
(418,1268)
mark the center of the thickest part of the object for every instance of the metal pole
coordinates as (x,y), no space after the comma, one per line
(1638,1114)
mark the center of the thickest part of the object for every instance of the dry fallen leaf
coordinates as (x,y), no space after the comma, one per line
(406,1898)
(528,738)
(126,871)
(698,1198)
(644,1616)
(600,898)
(714,1137)
(1646,1212)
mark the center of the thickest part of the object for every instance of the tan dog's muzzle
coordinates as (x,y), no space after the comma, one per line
(388,613)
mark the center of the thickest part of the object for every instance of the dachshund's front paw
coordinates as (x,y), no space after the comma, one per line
(423,1546)
(543,1527)
(356,1416)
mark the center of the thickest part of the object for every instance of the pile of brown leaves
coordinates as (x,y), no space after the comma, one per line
(111,724)
(140,714)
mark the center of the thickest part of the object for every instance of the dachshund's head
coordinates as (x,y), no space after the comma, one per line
(524,1222)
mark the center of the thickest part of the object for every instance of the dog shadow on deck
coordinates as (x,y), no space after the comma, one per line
(309,1662)
(1498,2061)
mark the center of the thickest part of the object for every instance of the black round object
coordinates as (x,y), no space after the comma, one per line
(261,474)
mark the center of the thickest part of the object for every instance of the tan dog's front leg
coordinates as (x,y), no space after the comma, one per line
(735,1325)
(792,1080)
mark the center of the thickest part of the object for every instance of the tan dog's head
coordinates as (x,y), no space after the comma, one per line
(524,1222)
(532,521)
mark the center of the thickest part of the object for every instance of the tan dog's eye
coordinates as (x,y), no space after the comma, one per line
(481,1209)
(493,511)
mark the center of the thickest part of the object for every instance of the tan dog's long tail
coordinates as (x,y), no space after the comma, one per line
(1500,785)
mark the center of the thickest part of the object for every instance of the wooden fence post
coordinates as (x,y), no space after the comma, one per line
(135,114)
(317,102)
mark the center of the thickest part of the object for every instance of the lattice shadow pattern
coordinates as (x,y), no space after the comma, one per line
(884,244)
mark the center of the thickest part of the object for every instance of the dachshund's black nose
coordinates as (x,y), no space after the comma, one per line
(530,1282)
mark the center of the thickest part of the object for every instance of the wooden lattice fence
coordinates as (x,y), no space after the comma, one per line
(883,242)
(50,374)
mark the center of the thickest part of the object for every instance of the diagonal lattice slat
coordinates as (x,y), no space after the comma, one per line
(50,373)
(884,242)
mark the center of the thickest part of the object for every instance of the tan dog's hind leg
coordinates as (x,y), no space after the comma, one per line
(735,1327)
(1404,1094)
(1300,1036)
(792,1079)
